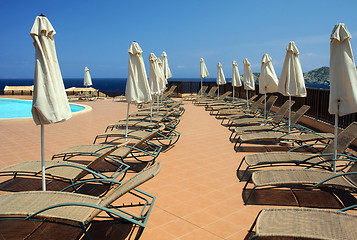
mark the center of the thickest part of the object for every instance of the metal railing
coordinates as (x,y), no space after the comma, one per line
(317,99)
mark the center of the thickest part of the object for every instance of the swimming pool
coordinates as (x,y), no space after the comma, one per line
(15,108)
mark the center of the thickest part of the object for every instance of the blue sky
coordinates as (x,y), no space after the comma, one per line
(97,34)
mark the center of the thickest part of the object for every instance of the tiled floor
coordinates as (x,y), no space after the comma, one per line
(198,193)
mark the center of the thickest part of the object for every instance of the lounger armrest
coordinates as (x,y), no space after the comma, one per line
(333,177)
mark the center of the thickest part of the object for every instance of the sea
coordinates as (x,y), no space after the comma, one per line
(113,84)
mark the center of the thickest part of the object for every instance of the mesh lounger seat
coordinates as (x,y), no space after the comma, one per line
(278,123)
(323,160)
(279,136)
(70,172)
(80,210)
(304,178)
(304,223)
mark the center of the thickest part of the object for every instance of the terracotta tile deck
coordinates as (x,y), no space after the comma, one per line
(198,193)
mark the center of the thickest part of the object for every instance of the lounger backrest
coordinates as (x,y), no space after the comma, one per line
(99,159)
(284,108)
(130,184)
(270,102)
(226,94)
(250,100)
(258,103)
(202,90)
(212,91)
(344,139)
(299,113)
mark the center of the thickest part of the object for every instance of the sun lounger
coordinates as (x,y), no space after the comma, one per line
(276,124)
(165,135)
(300,139)
(238,119)
(240,109)
(146,121)
(201,92)
(304,223)
(215,107)
(142,150)
(79,210)
(305,178)
(211,93)
(290,158)
(66,171)
(277,117)
(211,100)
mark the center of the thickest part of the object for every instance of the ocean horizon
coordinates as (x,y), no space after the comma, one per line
(115,84)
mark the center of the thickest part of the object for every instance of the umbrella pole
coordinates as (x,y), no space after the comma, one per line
(158,102)
(336,133)
(151,111)
(201,86)
(127,122)
(247,99)
(218,91)
(233,95)
(289,113)
(265,105)
(43,157)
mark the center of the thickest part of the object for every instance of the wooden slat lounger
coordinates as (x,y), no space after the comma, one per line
(304,223)
(79,210)
(323,160)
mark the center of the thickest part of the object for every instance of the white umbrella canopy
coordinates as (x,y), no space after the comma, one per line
(292,81)
(221,80)
(268,81)
(50,102)
(343,77)
(236,82)
(155,74)
(248,78)
(165,65)
(137,87)
(87,79)
(203,71)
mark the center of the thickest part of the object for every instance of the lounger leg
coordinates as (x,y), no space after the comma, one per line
(235,145)
(251,192)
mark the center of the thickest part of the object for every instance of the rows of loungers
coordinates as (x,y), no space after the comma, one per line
(97,182)
(309,164)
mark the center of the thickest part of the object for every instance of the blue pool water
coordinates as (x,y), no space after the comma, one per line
(14,108)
